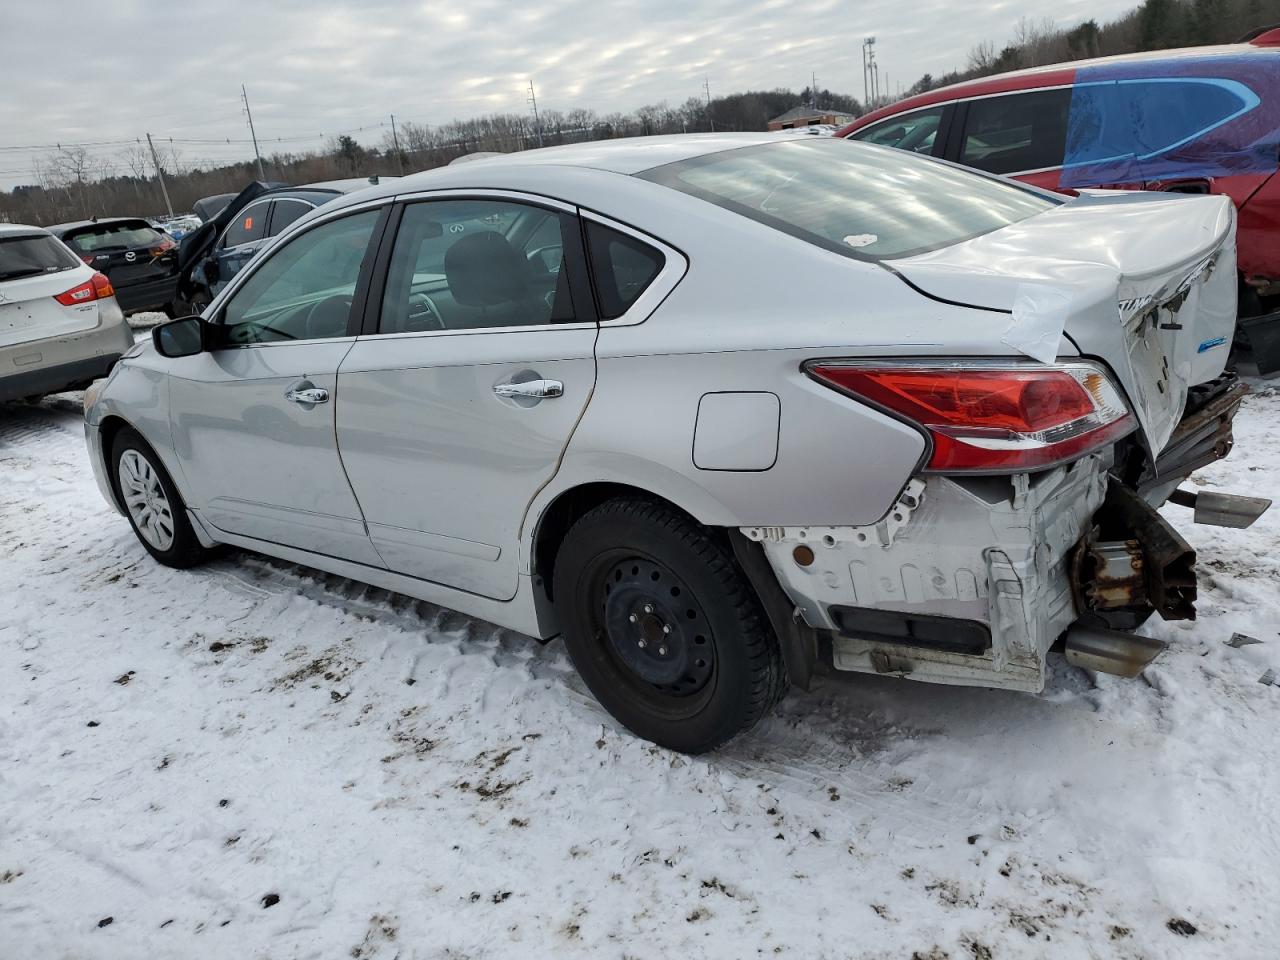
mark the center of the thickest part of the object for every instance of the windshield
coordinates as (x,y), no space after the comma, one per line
(114,236)
(863,201)
(32,255)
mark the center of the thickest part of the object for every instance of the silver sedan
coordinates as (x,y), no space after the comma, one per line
(721,411)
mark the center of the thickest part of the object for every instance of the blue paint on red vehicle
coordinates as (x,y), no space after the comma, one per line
(1190,117)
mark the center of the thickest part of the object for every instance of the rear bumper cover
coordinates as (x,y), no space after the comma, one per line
(54,379)
(993,552)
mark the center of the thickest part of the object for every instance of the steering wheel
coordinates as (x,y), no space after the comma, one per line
(422,314)
(328,317)
(537,254)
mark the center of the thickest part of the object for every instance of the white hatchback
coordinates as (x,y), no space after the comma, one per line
(60,325)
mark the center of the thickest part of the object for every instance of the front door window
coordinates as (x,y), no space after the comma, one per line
(306,289)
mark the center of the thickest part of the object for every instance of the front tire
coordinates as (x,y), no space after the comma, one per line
(663,626)
(152,503)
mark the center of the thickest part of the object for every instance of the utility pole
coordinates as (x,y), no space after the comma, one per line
(396,140)
(262,174)
(537,124)
(706,85)
(160,175)
(813,91)
(870,73)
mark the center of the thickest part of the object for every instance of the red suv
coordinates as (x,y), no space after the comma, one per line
(1199,120)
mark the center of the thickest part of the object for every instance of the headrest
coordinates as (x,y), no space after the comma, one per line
(484,270)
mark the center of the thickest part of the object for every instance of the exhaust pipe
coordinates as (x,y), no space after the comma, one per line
(1110,651)
(1221,509)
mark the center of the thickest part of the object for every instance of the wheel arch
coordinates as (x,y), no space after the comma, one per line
(799,642)
(108,429)
(566,508)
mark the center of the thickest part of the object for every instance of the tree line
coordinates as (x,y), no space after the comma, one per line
(75,183)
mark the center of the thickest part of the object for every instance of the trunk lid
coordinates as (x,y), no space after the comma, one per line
(28,310)
(1145,282)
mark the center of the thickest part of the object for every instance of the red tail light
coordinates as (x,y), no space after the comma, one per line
(991,417)
(97,287)
(88,259)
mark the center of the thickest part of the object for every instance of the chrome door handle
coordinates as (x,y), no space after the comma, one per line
(307,395)
(531,389)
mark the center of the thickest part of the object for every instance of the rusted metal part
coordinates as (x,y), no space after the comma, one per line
(1110,651)
(1113,575)
(1203,436)
(1134,560)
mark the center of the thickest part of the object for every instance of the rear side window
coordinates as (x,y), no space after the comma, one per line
(1143,118)
(1018,132)
(855,199)
(250,224)
(285,212)
(478,264)
(916,131)
(114,236)
(623,267)
(32,255)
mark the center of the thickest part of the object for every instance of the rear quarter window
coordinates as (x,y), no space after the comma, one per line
(623,268)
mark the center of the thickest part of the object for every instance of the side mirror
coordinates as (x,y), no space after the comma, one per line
(180,338)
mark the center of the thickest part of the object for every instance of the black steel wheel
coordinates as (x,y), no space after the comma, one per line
(664,627)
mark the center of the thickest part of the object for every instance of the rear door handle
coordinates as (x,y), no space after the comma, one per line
(531,389)
(307,395)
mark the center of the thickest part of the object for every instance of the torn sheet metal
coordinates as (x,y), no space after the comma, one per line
(1040,313)
(1239,640)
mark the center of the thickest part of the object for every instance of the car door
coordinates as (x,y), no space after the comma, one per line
(240,241)
(253,417)
(456,406)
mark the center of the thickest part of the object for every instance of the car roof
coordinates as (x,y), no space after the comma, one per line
(58,229)
(628,155)
(20,229)
(1049,75)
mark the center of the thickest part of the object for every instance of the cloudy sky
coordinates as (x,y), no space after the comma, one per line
(111,71)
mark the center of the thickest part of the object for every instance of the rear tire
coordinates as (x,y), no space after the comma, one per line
(664,627)
(152,503)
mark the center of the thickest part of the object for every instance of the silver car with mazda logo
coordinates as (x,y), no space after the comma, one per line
(572,392)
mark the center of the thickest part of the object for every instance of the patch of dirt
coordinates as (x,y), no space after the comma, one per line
(382,930)
(331,667)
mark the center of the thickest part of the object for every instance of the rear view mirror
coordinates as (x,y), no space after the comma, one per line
(180,338)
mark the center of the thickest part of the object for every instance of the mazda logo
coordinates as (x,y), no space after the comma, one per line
(131,256)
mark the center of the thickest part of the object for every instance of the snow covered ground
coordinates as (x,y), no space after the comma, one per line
(256,760)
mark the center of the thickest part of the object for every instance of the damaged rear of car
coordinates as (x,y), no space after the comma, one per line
(1032,519)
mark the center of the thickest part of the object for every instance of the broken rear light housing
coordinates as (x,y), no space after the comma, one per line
(990,416)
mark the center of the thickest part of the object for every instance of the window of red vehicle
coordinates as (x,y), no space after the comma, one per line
(914,131)
(1017,132)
